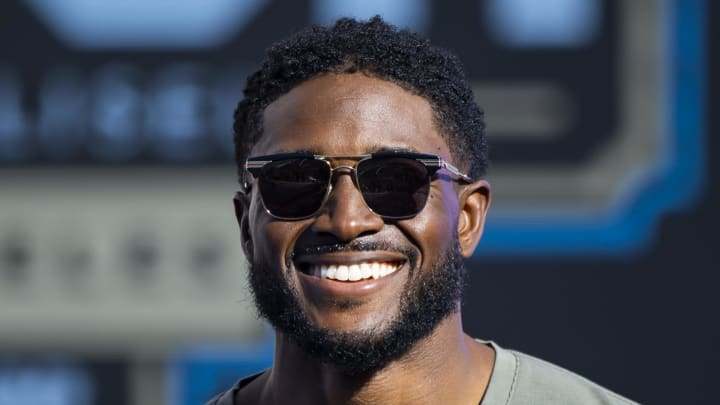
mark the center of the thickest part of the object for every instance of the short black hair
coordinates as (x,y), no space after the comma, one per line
(380,50)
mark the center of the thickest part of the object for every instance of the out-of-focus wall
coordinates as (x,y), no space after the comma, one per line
(121,276)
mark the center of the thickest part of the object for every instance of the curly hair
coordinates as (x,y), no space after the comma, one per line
(380,50)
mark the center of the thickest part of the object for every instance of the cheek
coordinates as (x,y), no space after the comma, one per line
(272,239)
(435,227)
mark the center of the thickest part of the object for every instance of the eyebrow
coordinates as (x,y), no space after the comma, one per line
(284,150)
(375,149)
(395,149)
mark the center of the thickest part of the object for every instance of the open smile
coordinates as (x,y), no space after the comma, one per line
(347,274)
(353,272)
(351,266)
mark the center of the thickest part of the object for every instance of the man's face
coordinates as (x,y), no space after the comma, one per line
(351,322)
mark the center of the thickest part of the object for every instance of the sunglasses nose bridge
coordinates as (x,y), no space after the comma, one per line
(350,170)
(342,167)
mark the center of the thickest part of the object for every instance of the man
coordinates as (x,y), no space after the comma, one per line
(362,154)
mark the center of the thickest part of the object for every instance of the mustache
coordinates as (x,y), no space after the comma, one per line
(353,246)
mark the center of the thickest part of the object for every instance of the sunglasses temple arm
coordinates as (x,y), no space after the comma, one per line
(454,170)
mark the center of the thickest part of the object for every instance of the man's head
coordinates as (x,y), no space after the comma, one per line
(376,49)
(347,285)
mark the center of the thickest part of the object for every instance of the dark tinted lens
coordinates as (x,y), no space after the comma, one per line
(394,186)
(294,188)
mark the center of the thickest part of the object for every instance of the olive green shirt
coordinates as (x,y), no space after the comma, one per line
(517,379)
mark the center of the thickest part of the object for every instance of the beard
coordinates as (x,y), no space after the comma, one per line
(426,300)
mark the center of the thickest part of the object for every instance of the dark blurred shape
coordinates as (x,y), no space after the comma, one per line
(141,256)
(62,128)
(206,255)
(72,258)
(14,140)
(15,257)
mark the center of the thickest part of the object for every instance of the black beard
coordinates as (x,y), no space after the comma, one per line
(424,304)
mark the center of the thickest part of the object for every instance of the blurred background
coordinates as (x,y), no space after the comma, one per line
(121,277)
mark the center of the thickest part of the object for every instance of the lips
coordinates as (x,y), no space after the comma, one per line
(351,266)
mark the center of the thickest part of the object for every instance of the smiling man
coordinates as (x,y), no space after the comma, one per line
(361,155)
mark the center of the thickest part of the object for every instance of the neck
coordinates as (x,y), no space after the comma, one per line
(445,367)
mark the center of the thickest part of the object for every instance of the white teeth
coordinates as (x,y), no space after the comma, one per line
(353,272)
(366,270)
(342,273)
(331,272)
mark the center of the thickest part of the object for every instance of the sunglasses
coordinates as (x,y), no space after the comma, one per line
(393,185)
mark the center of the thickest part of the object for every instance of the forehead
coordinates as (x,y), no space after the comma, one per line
(349,114)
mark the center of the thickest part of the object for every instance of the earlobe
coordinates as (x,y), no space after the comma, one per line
(241,203)
(474,204)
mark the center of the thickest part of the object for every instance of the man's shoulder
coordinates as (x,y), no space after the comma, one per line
(228,397)
(522,379)
(224,398)
(218,399)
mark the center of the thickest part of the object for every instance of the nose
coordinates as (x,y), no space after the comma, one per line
(345,215)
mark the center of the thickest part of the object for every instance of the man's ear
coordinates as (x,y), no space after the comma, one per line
(242,207)
(474,205)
